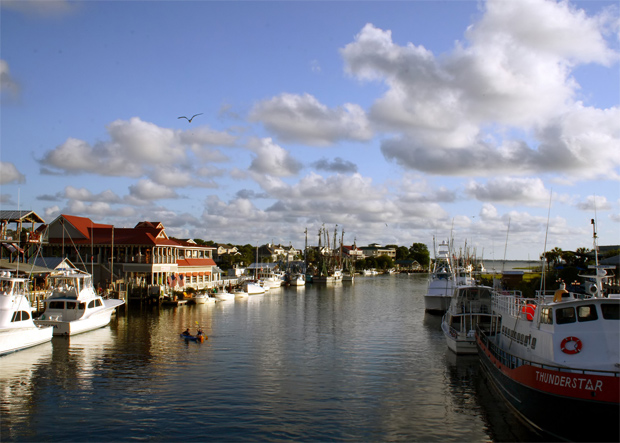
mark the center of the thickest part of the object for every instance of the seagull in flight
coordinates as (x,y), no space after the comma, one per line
(190,119)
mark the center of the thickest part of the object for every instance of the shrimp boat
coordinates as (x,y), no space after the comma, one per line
(17,328)
(72,305)
(444,279)
(556,358)
(470,307)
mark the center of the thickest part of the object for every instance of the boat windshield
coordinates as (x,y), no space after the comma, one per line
(6,286)
(63,287)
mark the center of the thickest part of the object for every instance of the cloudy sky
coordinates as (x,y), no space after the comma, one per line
(496,122)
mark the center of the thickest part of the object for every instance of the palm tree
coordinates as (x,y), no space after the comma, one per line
(553,256)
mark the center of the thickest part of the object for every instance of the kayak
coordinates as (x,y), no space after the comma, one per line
(197,338)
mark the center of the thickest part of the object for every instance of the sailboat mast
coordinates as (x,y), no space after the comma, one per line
(306,251)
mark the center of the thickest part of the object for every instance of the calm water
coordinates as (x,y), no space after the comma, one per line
(358,362)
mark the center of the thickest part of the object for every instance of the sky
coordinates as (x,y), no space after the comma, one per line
(495,123)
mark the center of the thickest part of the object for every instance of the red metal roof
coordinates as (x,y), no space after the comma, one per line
(83,224)
(185,262)
(145,233)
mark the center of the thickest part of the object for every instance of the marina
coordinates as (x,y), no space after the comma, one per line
(347,362)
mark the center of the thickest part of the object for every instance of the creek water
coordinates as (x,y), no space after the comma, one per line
(346,362)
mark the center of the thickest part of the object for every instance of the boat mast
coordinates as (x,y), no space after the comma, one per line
(341,245)
(112,260)
(306,251)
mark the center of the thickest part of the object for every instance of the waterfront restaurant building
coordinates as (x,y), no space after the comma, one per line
(142,256)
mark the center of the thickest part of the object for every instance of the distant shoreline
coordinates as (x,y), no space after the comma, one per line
(511,265)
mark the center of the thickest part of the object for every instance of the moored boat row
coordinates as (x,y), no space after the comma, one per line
(554,358)
(71,307)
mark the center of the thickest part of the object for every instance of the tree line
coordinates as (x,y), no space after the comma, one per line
(247,254)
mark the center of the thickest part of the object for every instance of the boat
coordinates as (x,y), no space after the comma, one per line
(348,274)
(443,280)
(240,293)
(296,279)
(199,337)
(202,298)
(72,306)
(17,328)
(251,288)
(555,358)
(470,306)
(269,278)
(224,296)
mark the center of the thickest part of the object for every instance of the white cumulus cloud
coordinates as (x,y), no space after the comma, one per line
(303,119)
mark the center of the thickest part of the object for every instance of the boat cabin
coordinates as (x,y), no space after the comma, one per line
(69,285)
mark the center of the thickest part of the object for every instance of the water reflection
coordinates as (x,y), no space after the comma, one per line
(358,362)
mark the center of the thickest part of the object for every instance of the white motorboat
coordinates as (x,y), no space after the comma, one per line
(17,328)
(469,308)
(202,298)
(443,281)
(73,306)
(253,288)
(297,279)
(224,296)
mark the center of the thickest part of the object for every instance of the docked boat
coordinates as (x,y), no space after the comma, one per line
(202,298)
(269,278)
(470,307)
(72,306)
(444,279)
(224,296)
(555,359)
(298,279)
(17,328)
(251,288)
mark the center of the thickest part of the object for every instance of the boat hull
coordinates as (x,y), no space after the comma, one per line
(63,328)
(458,344)
(224,296)
(437,304)
(16,339)
(569,405)
(196,338)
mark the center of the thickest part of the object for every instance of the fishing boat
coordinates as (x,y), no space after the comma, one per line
(17,328)
(269,278)
(555,358)
(444,279)
(72,306)
(440,282)
(470,307)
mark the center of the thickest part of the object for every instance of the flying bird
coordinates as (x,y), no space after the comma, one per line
(190,119)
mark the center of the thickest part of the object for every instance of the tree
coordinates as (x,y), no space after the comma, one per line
(385,262)
(419,252)
(402,253)
(553,256)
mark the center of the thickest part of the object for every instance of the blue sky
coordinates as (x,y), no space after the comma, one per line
(397,121)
